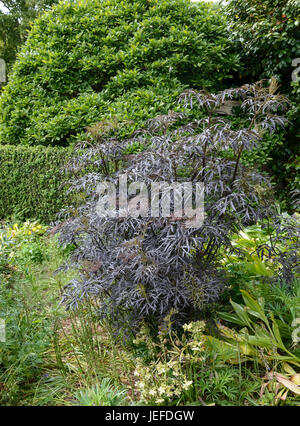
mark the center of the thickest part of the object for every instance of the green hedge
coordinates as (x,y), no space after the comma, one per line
(31,182)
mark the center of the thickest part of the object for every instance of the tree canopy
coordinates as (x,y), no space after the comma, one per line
(15,19)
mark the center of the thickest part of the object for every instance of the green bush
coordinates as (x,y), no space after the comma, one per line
(267,36)
(85,61)
(268,33)
(30,182)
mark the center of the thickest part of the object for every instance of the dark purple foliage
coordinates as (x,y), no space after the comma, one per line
(141,269)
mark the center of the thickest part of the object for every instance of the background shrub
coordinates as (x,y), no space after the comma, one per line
(84,61)
(30,182)
(267,36)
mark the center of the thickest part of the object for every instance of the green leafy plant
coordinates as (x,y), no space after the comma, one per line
(255,262)
(188,368)
(266,34)
(248,261)
(15,19)
(85,61)
(103,394)
(263,338)
(29,305)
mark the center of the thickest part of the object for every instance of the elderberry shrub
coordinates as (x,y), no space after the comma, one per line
(139,269)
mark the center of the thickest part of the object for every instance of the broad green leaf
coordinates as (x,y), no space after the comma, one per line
(256,308)
(241,313)
(231,318)
(277,335)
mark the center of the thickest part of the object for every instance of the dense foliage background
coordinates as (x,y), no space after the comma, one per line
(16,17)
(87,60)
(31,182)
(267,36)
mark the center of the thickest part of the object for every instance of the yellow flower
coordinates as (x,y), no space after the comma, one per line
(29,232)
(39,227)
(34,229)
(15,226)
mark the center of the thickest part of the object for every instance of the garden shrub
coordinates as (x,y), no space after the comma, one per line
(141,267)
(29,305)
(267,36)
(88,60)
(31,182)
(266,253)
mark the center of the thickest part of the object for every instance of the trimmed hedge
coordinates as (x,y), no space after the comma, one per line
(31,182)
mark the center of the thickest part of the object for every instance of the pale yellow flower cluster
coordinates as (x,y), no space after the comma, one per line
(160,383)
(168,376)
